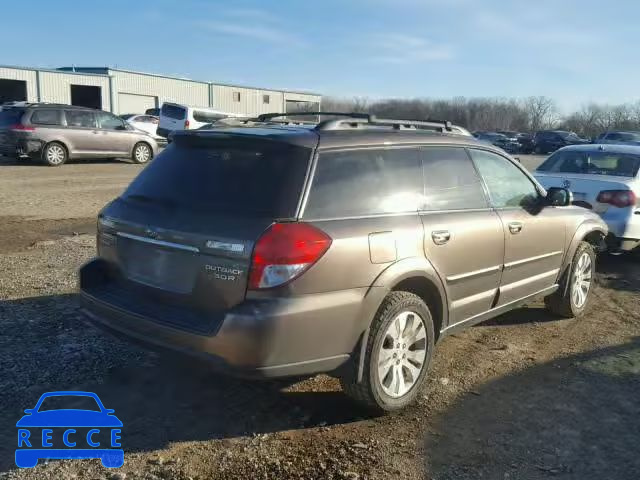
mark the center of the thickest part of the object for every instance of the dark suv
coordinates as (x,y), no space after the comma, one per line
(55,133)
(349,247)
(548,141)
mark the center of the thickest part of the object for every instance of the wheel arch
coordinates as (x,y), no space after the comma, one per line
(415,275)
(62,143)
(591,231)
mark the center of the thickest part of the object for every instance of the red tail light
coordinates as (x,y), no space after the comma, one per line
(24,128)
(284,252)
(186,124)
(617,198)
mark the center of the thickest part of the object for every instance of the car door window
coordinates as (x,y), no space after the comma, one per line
(80,118)
(451,180)
(508,186)
(110,122)
(366,182)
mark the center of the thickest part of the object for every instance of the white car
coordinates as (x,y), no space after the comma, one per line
(183,117)
(605,179)
(146,123)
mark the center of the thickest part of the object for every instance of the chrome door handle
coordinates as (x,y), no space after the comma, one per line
(515,227)
(440,237)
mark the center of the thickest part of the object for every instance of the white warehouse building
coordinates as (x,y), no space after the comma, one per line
(124,91)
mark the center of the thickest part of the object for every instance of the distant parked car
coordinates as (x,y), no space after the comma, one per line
(152,111)
(548,141)
(627,138)
(146,123)
(524,140)
(56,133)
(509,145)
(602,178)
(183,117)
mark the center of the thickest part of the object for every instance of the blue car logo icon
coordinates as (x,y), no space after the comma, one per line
(96,428)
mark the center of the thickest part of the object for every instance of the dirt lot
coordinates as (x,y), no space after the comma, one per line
(525,396)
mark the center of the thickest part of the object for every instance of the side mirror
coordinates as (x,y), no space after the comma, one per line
(122,127)
(28,411)
(109,411)
(559,197)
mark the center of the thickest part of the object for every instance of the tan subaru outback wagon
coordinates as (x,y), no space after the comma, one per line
(351,246)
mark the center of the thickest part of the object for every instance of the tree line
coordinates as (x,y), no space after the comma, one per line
(523,115)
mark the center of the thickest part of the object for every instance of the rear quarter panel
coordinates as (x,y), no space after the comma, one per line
(358,261)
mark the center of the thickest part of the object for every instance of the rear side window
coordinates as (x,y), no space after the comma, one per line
(46,117)
(225,176)
(80,118)
(366,182)
(173,111)
(11,116)
(451,181)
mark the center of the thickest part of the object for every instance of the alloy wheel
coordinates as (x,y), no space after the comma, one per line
(142,154)
(402,354)
(55,155)
(582,280)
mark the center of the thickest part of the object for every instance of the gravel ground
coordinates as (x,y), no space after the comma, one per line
(524,396)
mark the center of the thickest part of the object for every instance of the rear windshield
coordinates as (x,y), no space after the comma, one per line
(600,163)
(225,176)
(10,117)
(173,111)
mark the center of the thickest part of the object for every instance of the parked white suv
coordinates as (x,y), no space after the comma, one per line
(174,116)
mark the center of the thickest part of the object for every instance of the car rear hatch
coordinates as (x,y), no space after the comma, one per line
(10,130)
(586,188)
(177,244)
(172,117)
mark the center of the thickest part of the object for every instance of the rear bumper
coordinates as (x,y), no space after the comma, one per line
(22,148)
(624,231)
(262,337)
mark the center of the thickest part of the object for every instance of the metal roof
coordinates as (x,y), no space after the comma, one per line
(111,69)
(53,70)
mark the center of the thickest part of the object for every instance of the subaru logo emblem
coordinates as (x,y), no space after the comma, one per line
(151,233)
(566,184)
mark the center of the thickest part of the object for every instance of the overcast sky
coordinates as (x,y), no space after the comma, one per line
(574,51)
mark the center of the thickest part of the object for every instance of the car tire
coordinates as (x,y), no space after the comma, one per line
(402,333)
(54,154)
(142,153)
(572,297)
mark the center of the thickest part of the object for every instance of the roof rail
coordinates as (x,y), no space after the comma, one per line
(268,116)
(371,120)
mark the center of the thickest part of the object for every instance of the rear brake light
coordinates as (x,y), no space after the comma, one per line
(617,198)
(186,124)
(284,252)
(24,128)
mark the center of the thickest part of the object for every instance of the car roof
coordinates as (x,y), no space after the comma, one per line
(613,148)
(310,137)
(57,105)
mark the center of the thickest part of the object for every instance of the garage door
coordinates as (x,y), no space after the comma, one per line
(132,103)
